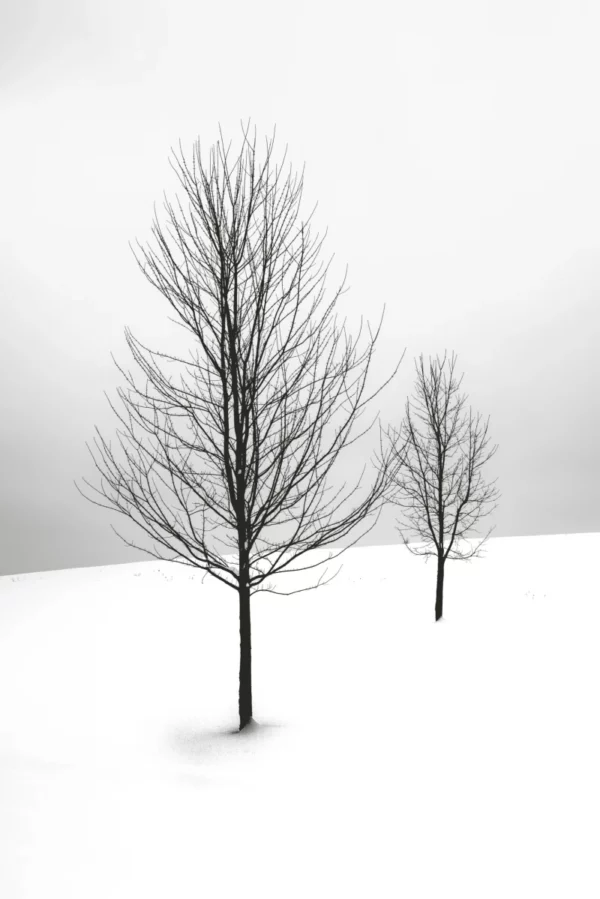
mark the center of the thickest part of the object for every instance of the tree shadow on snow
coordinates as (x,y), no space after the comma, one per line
(201,744)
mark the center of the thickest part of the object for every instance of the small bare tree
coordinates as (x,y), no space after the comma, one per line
(248,441)
(444,499)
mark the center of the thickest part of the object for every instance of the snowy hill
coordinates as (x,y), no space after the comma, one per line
(395,757)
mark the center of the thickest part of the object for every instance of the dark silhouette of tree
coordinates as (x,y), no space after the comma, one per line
(438,469)
(246,443)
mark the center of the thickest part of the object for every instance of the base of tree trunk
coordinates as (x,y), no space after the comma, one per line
(248,726)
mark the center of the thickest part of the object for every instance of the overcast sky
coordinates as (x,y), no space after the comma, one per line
(453,151)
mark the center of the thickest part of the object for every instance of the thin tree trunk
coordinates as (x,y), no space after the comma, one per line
(439,592)
(245,697)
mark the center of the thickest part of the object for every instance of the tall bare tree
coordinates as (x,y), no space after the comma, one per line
(246,443)
(437,477)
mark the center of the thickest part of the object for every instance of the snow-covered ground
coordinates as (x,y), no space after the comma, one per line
(395,757)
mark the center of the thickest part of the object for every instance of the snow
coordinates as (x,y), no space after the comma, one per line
(393,757)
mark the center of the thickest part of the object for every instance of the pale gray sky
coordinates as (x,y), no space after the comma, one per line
(453,151)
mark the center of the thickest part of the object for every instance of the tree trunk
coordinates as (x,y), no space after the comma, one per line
(439,592)
(245,698)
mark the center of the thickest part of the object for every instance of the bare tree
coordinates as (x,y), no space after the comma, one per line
(243,444)
(444,499)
